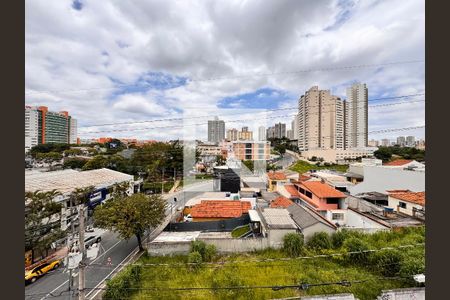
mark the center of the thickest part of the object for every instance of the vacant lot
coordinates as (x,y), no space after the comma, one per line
(227,276)
(303,166)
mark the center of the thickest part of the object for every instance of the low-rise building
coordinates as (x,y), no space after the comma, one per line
(407,202)
(339,155)
(67,181)
(335,179)
(405,164)
(212,210)
(275,179)
(380,179)
(319,195)
(276,223)
(309,221)
(281,202)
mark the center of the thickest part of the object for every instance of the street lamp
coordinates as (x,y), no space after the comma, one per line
(171,212)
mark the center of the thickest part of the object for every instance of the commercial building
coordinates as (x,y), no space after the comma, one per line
(356,116)
(261,133)
(232,134)
(321,121)
(216,130)
(340,155)
(290,134)
(67,181)
(43,126)
(245,134)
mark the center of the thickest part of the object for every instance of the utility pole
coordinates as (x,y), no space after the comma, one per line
(162,182)
(69,246)
(81,286)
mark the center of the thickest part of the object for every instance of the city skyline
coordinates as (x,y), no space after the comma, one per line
(122,78)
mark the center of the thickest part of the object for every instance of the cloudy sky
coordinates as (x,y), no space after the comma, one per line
(134,61)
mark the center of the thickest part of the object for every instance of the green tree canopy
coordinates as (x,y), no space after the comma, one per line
(132,215)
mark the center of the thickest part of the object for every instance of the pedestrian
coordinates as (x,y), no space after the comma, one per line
(108,261)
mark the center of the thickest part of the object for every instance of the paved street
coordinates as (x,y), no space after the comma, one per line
(56,283)
(286,160)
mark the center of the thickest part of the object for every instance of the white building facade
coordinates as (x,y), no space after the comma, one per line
(356,116)
(31,128)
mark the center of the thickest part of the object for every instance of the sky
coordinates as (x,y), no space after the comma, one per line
(133,61)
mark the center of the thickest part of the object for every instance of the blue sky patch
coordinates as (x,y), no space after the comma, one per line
(77,5)
(262,98)
(149,81)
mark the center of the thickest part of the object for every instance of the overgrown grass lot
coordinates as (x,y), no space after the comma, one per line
(230,276)
(303,167)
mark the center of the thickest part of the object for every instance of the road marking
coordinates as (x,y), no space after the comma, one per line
(118,265)
(57,288)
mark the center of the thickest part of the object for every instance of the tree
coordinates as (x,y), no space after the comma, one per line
(49,156)
(220,160)
(41,229)
(383,153)
(97,162)
(131,215)
(74,163)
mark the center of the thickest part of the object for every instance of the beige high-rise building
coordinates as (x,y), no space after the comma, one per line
(232,134)
(321,120)
(245,134)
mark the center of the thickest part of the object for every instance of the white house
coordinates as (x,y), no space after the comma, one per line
(407,202)
(404,164)
(381,178)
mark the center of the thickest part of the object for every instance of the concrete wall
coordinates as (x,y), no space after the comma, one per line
(173,248)
(275,236)
(308,232)
(380,179)
(403,294)
(237,245)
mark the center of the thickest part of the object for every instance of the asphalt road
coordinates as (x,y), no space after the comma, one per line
(54,285)
(286,160)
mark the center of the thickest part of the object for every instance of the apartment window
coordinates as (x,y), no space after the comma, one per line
(337,216)
(402,204)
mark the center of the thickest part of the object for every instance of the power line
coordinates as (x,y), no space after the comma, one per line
(237,113)
(274,259)
(236,76)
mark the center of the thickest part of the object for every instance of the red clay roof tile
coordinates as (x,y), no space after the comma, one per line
(281,202)
(413,197)
(276,176)
(220,209)
(322,190)
(398,162)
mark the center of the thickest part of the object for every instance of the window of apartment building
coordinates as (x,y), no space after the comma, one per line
(402,204)
(337,216)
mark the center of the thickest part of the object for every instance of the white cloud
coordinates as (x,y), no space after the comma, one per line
(111,42)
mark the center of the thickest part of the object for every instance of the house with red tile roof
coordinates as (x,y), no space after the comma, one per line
(407,202)
(275,179)
(281,202)
(404,163)
(211,210)
(319,195)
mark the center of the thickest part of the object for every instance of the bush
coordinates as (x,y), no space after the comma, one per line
(293,244)
(210,253)
(195,258)
(198,246)
(387,262)
(119,286)
(338,238)
(319,241)
(354,244)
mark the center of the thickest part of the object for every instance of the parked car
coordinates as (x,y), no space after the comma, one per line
(42,269)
